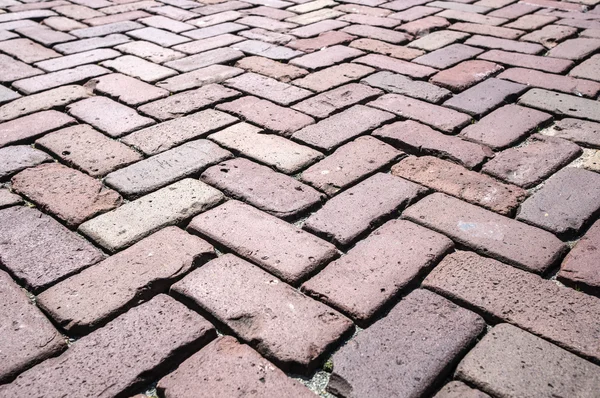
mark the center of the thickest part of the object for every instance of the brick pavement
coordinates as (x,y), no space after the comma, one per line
(283,198)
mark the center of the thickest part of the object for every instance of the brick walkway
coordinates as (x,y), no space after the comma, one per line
(277,198)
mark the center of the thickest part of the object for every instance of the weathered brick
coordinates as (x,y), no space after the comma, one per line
(38,251)
(125,16)
(373,32)
(579,131)
(362,19)
(396,65)
(333,76)
(199,77)
(327,57)
(579,269)
(456,15)
(413,13)
(439,117)
(266,36)
(281,248)
(172,25)
(260,186)
(486,232)
(399,5)
(575,49)
(475,9)
(8,199)
(529,164)
(514,10)
(27,51)
(324,104)
(437,40)
(549,36)
(70,61)
(270,68)
(125,279)
(263,11)
(148,175)
(465,74)
(134,349)
(507,294)
(400,84)
(150,52)
(588,69)
(561,104)
(315,16)
(457,389)
(187,102)
(270,89)
(45,36)
(485,96)
(283,121)
(207,58)
(31,14)
(91,43)
(77,11)
(425,25)
(565,84)
(29,127)
(504,44)
(266,23)
(317,28)
(487,30)
(137,219)
(312,6)
(349,164)
(140,68)
(106,29)
(20,157)
(324,40)
(126,89)
(380,47)
(222,7)
(215,30)
(51,80)
(198,46)
(7,95)
(386,359)
(505,126)
(272,150)
(546,64)
(14,70)
(531,22)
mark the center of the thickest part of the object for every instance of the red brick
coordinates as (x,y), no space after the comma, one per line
(578,131)
(448,56)
(486,232)
(283,121)
(20,157)
(400,84)
(69,61)
(199,77)
(463,6)
(126,89)
(384,48)
(134,349)
(531,22)
(580,267)
(260,186)
(457,389)
(91,43)
(333,76)
(513,11)
(270,68)
(436,40)
(349,164)
(529,164)
(554,82)
(215,30)
(15,70)
(439,117)
(317,28)
(29,127)
(550,35)
(588,69)
(198,46)
(485,96)
(125,279)
(149,52)
(285,326)
(207,58)
(561,104)
(465,74)
(51,80)
(425,25)
(270,89)
(140,68)
(326,57)
(43,35)
(362,366)
(470,17)
(272,150)
(504,44)
(324,104)
(487,30)
(399,5)
(546,64)
(27,51)
(505,126)
(325,39)
(556,4)
(373,32)
(505,294)
(38,251)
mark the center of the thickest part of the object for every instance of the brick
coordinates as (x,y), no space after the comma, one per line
(51,80)
(77,12)
(127,278)
(485,232)
(135,220)
(31,14)
(504,44)
(399,5)
(158,36)
(54,98)
(396,65)
(424,25)
(14,70)
(475,9)
(470,17)
(165,23)
(20,157)
(361,19)
(514,10)
(30,127)
(315,16)
(487,30)
(126,89)
(131,6)
(92,43)
(221,7)
(125,16)
(384,48)
(44,35)
(70,61)
(210,43)
(187,102)
(565,84)
(137,67)
(575,49)
(8,199)
(272,150)
(579,268)
(326,57)
(230,368)
(264,11)
(103,30)
(317,28)
(215,30)
(7,95)
(579,131)
(505,126)
(324,40)
(156,334)
(26,50)
(267,50)
(561,104)
(353,213)
(456,181)
(588,69)
(419,139)
(373,32)
(260,186)
(148,175)
(283,121)
(333,76)
(437,40)
(511,362)
(414,13)
(485,96)
(38,251)
(266,36)
(277,70)
(399,84)
(312,6)
(465,74)
(550,35)
(531,22)
(31,339)
(150,52)
(199,77)
(211,57)
(270,89)
(457,389)
(367,358)
(322,105)
(265,23)
(439,117)
(592,33)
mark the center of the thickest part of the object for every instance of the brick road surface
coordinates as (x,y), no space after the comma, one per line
(296,198)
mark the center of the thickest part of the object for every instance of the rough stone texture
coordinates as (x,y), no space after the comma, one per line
(504,293)
(125,279)
(457,389)
(324,104)
(546,64)
(580,267)
(199,77)
(448,56)
(579,131)
(38,251)
(386,360)
(140,68)
(68,194)
(263,188)
(326,57)
(133,349)
(467,185)
(333,76)
(485,96)
(561,104)
(510,362)
(274,69)
(30,127)
(267,88)
(399,84)
(126,89)
(377,269)
(14,70)
(8,199)
(27,336)
(137,219)
(229,368)
(587,69)
(282,249)
(20,157)
(550,81)
(486,232)
(396,65)
(285,326)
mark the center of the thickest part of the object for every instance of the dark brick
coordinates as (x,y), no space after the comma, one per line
(457,389)
(399,84)
(485,96)
(465,74)
(448,56)
(579,131)
(270,89)
(486,232)
(580,267)
(20,157)
(386,359)
(30,127)
(324,104)
(565,84)
(396,65)
(561,104)
(333,76)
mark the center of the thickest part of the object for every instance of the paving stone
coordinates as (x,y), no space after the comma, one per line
(373,32)
(77,12)
(38,251)
(457,389)
(485,96)
(126,279)
(140,68)
(137,219)
(55,98)
(266,36)
(322,41)
(270,68)
(439,117)
(580,267)
(546,64)
(135,348)
(199,77)
(197,61)
(561,104)
(103,30)
(413,13)
(272,150)
(31,339)
(215,19)
(565,84)
(125,16)
(148,175)
(505,126)
(14,70)
(485,232)
(575,49)
(529,164)
(283,121)
(51,80)
(487,30)
(315,16)
(187,102)
(506,294)
(150,52)
(333,76)
(8,199)
(362,19)
(165,23)
(175,13)
(476,9)
(27,51)
(531,22)
(424,25)
(399,5)
(31,14)
(91,43)
(579,131)
(131,6)
(471,17)
(215,30)
(221,7)
(464,184)
(198,46)
(465,74)
(270,89)
(266,23)
(158,36)
(44,35)
(384,48)
(436,40)
(322,105)
(511,362)
(260,186)
(549,36)
(504,44)
(399,84)
(419,139)
(29,127)
(588,69)
(326,57)
(126,89)
(71,61)
(370,364)
(317,28)
(20,157)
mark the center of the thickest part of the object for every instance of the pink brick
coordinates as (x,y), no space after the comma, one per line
(270,89)
(277,70)
(384,48)
(448,56)
(565,84)
(373,32)
(326,57)
(322,105)
(546,64)
(396,65)
(487,30)
(333,76)
(32,126)
(505,44)
(325,39)
(465,74)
